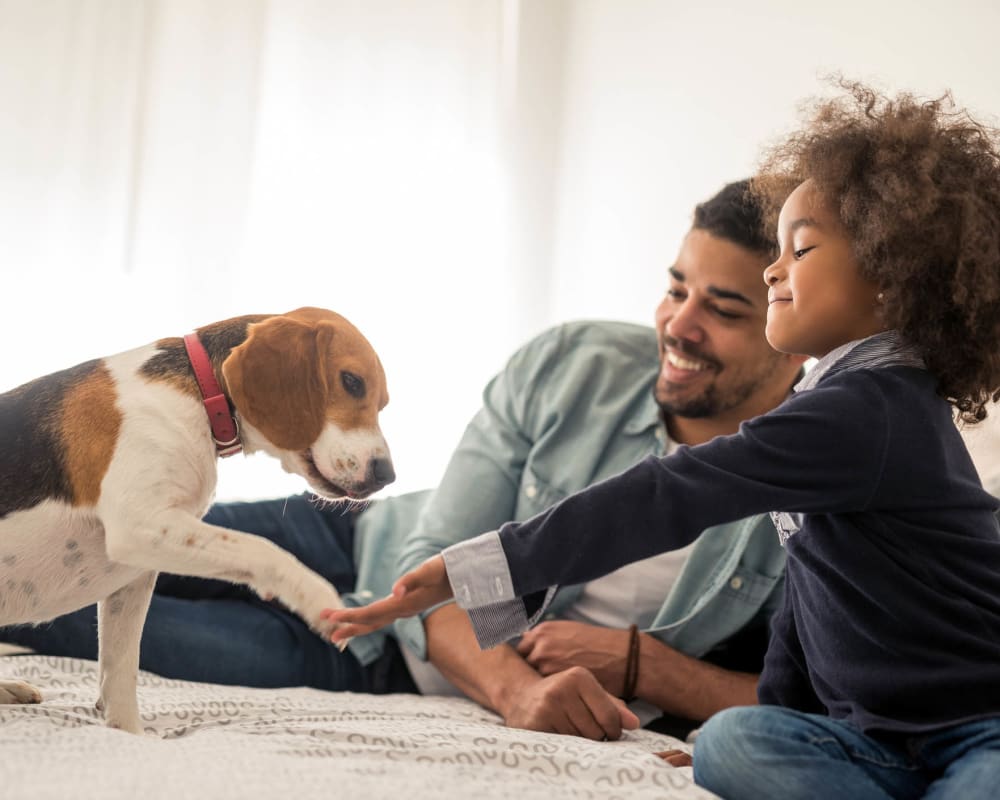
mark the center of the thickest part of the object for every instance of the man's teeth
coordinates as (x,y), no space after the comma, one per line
(682,363)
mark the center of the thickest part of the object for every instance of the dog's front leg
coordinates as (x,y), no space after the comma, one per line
(120,618)
(175,541)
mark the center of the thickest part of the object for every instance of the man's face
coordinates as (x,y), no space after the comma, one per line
(714,358)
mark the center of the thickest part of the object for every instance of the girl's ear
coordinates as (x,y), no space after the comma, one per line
(880,308)
(277,380)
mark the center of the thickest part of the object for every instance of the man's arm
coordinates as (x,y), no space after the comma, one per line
(569,702)
(514,686)
(668,679)
(686,687)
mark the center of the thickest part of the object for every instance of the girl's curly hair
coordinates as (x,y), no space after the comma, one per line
(916,184)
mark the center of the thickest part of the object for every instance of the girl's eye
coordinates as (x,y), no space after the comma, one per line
(798,254)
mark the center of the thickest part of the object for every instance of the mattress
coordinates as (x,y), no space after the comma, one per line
(210,741)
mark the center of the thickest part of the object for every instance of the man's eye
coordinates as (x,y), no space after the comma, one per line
(675,294)
(353,384)
(727,314)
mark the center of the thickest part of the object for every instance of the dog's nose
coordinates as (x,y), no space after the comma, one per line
(380,472)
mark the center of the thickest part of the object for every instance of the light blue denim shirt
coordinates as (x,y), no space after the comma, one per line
(572,407)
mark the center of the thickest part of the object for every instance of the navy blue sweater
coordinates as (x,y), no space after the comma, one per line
(892,603)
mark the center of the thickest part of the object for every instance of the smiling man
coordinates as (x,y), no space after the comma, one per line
(579,404)
(717,367)
(682,635)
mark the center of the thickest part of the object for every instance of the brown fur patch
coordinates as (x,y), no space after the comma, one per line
(89,424)
(285,379)
(277,382)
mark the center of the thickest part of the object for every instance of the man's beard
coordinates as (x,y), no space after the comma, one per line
(712,401)
(705,404)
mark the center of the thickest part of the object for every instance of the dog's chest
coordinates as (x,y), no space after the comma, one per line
(52,561)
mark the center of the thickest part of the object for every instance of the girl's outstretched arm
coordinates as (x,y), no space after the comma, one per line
(423,587)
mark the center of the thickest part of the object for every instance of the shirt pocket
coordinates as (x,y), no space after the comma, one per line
(535,495)
(747,586)
(721,612)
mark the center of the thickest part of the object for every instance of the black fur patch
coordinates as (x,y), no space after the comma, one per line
(32,466)
(218,339)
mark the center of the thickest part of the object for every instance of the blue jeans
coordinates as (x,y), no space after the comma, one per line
(207,630)
(773,752)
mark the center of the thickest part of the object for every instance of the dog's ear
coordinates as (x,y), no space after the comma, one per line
(278,380)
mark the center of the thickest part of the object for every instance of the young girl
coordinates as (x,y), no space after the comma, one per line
(883,673)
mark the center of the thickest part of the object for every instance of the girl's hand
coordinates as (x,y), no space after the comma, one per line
(420,589)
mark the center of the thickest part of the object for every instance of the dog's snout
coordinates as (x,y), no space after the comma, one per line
(380,472)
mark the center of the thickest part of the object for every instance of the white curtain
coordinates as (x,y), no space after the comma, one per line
(166,163)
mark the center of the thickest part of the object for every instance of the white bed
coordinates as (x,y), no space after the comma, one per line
(218,742)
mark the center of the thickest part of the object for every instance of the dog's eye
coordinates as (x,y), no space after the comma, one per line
(353,384)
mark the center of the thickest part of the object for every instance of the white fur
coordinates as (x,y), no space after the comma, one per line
(341,456)
(347,453)
(159,484)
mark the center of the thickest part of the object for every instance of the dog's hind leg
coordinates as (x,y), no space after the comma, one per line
(18,692)
(120,618)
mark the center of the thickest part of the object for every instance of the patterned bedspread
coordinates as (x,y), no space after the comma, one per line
(217,742)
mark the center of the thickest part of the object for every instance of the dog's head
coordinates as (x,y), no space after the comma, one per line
(308,388)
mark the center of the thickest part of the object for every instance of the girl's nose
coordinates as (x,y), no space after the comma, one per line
(771,275)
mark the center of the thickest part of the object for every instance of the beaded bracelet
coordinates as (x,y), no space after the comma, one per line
(631,664)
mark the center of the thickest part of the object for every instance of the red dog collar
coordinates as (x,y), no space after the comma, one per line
(225,430)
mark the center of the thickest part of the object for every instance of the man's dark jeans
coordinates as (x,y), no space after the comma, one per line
(218,632)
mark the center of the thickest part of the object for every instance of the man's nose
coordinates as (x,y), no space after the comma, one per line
(686,322)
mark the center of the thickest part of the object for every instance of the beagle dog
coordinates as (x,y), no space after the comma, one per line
(107,468)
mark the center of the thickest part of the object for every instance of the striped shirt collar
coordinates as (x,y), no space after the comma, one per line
(886,349)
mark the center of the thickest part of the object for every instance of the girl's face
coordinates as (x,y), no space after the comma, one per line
(817,299)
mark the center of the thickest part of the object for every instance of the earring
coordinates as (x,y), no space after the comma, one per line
(880,297)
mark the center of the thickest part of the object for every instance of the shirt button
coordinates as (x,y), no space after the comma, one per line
(531,490)
(367,595)
(736,583)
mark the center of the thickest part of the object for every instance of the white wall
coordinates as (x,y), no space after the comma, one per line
(614,117)
(666,101)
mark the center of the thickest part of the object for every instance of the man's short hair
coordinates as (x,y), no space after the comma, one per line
(735,214)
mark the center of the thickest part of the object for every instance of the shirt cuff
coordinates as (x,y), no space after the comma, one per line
(478,572)
(500,622)
(480,580)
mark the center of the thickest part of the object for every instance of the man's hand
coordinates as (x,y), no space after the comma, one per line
(570,702)
(555,646)
(417,590)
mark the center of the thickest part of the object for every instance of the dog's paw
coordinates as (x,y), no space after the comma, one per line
(127,724)
(18,693)
(121,718)
(310,596)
